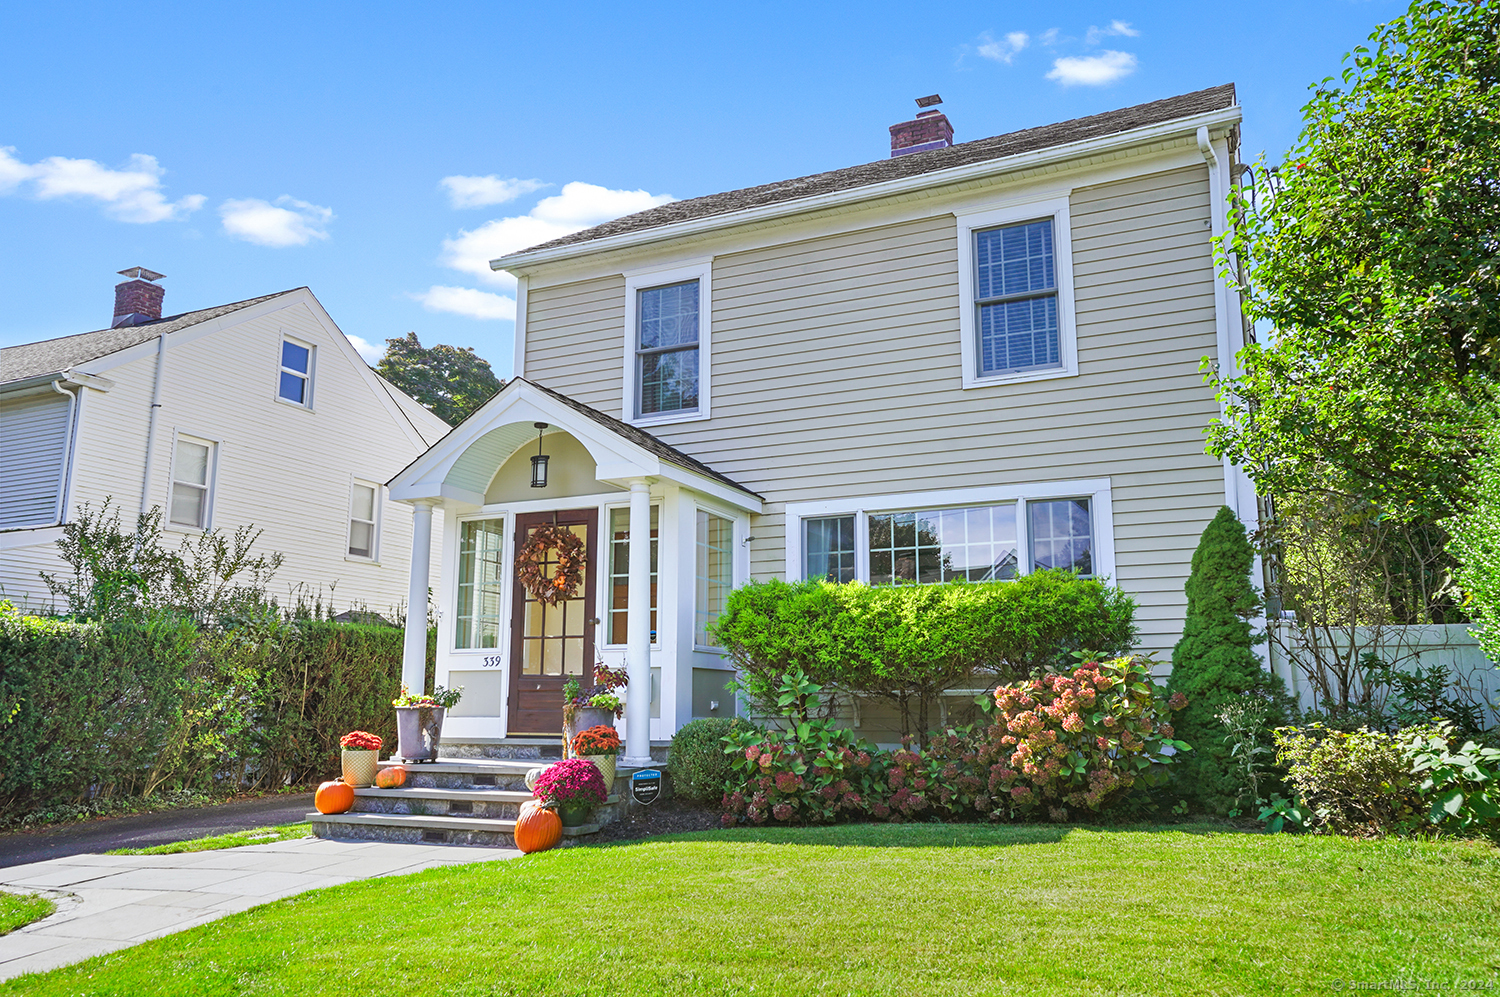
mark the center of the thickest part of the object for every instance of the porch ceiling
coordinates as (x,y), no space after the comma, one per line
(476,466)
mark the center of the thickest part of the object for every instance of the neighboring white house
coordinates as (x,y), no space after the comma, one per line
(969,359)
(256,412)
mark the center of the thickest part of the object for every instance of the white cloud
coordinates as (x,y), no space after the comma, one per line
(370,351)
(1004,50)
(477,192)
(467,301)
(1048,37)
(577,206)
(1116,28)
(288,222)
(132,194)
(1093,70)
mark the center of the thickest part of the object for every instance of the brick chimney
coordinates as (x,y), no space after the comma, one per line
(929,130)
(137,300)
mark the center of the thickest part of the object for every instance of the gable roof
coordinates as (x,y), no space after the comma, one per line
(52,356)
(914,164)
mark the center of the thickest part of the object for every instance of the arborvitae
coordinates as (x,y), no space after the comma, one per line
(1214,662)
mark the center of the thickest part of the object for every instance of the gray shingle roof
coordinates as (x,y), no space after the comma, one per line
(53,356)
(980,150)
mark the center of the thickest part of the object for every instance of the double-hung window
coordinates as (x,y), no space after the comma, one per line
(191,500)
(364,509)
(295,382)
(667,345)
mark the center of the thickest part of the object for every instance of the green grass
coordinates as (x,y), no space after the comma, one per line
(18,910)
(235,839)
(906,909)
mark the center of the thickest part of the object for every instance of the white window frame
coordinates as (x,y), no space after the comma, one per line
(1056,209)
(375,510)
(606,514)
(1096,490)
(311,375)
(214,447)
(499,655)
(637,281)
(739,565)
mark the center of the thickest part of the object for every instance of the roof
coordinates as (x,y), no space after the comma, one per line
(52,356)
(915,164)
(640,438)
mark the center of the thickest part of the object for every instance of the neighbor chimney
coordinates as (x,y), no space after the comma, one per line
(137,300)
(929,130)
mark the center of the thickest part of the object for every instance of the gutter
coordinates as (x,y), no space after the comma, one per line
(1176,128)
(67,461)
(161,367)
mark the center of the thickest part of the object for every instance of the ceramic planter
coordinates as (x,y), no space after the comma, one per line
(606,765)
(359,766)
(590,716)
(419,729)
(575,814)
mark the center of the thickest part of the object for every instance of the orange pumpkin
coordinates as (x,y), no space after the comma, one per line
(391,777)
(334,797)
(537,829)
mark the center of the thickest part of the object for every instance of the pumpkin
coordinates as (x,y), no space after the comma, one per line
(532,775)
(537,829)
(334,797)
(391,777)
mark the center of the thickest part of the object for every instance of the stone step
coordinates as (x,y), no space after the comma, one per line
(418,829)
(478,803)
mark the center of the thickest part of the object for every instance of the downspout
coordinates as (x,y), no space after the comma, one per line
(67,461)
(161,368)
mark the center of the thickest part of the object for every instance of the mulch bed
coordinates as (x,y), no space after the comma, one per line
(662,817)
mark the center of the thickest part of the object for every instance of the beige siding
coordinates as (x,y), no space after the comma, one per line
(836,374)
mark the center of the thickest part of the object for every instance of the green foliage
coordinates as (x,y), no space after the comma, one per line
(908,644)
(1247,723)
(697,763)
(451,381)
(1376,264)
(1462,786)
(1475,544)
(1356,783)
(1214,664)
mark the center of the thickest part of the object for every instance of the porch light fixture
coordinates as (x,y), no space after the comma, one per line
(539,460)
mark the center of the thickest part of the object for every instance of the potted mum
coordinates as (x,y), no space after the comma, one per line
(599,744)
(574,788)
(361,752)
(419,722)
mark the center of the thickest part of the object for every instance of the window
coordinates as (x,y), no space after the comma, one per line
(362,520)
(976,544)
(667,349)
(296,373)
(192,483)
(715,574)
(828,548)
(481,573)
(1016,284)
(1062,535)
(619,573)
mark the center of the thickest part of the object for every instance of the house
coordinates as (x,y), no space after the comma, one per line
(966,360)
(256,412)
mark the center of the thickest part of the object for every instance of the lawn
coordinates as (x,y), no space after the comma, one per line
(18,910)
(235,839)
(908,909)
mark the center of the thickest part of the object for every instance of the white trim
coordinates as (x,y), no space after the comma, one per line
(970,222)
(282,368)
(375,524)
(212,484)
(507,592)
(602,585)
(518,345)
(1097,490)
(641,280)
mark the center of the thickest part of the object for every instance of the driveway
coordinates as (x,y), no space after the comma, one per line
(109,902)
(144,830)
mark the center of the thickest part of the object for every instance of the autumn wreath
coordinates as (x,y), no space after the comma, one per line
(531,563)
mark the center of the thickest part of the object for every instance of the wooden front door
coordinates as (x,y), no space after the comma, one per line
(550,644)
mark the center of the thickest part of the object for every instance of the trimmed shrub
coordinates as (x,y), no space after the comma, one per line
(697,763)
(1357,783)
(1214,664)
(910,643)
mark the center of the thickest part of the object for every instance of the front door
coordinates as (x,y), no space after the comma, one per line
(550,644)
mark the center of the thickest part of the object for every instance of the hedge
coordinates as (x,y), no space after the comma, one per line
(131,708)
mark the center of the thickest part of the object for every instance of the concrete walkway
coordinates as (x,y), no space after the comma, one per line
(108,902)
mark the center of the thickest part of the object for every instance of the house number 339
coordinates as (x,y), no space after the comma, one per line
(492,661)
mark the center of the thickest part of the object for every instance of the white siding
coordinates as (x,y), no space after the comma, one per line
(34,434)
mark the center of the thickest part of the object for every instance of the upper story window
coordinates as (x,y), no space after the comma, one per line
(191,500)
(667,345)
(364,522)
(296,380)
(1016,281)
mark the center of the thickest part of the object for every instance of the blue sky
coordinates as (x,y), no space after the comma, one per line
(381,153)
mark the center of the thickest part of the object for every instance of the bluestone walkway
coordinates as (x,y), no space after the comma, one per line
(108,902)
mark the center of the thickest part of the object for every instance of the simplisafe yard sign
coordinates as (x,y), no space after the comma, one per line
(645,786)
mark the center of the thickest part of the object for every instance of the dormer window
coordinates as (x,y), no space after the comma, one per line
(296,381)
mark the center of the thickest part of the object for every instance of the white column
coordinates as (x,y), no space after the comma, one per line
(638,630)
(414,652)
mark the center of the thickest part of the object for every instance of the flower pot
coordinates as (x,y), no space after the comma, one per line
(575,814)
(606,764)
(592,716)
(359,766)
(419,729)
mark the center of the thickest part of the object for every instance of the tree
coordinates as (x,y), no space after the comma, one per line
(1476,544)
(1374,256)
(1214,664)
(451,381)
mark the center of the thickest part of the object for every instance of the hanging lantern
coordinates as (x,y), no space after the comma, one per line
(539,460)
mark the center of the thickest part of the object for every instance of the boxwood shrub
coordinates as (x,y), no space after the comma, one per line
(697,764)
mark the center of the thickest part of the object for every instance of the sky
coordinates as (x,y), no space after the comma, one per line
(382,154)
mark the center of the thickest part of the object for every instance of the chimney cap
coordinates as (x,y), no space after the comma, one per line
(140,273)
(929,100)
